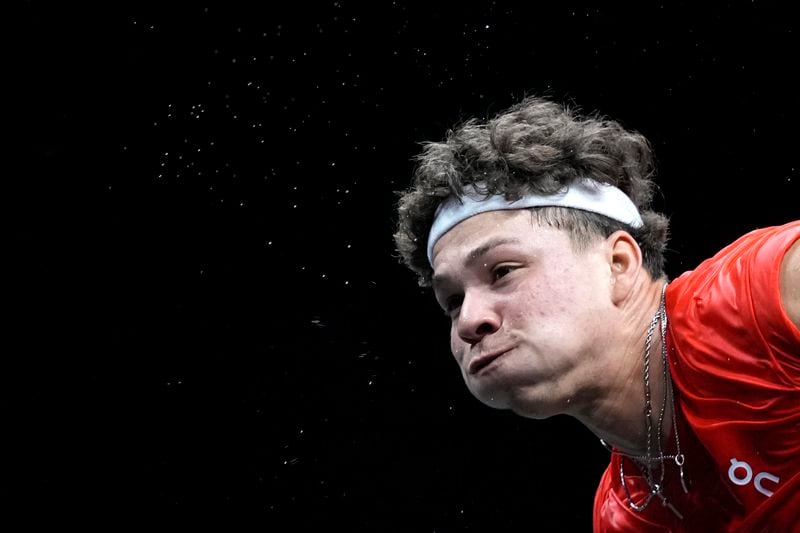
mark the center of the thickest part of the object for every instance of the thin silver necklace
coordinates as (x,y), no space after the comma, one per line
(649,460)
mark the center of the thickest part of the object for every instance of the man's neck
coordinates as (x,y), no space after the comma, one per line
(618,416)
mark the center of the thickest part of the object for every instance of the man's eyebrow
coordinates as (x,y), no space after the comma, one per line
(438,281)
(474,255)
(484,248)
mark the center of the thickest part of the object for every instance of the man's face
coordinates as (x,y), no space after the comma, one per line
(528,313)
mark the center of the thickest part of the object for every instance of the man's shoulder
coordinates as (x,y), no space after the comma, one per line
(729,309)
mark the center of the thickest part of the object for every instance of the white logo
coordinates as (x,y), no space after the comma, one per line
(743,467)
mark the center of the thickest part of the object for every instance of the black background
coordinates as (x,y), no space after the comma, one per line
(207,316)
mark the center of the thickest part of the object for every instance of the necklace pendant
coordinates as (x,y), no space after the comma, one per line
(683,483)
(670,506)
(679,459)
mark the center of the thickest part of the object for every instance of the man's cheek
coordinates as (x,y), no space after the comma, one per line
(457,349)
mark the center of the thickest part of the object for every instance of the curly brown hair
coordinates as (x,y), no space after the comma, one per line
(536,146)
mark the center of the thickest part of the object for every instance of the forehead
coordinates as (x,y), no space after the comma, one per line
(471,234)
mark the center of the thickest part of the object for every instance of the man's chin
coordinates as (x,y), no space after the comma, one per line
(520,406)
(493,400)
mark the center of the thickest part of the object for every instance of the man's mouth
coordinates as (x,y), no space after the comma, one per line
(482,361)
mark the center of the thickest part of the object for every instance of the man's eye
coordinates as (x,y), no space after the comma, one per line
(452,303)
(501,271)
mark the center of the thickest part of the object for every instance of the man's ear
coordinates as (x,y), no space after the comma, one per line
(625,260)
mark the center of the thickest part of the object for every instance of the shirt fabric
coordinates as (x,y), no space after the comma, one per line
(734,357)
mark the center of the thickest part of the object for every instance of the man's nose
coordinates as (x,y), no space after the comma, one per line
(477,317)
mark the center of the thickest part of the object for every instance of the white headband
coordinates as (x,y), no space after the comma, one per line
(584,194)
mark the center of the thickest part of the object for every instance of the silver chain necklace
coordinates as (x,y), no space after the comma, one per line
(648,461)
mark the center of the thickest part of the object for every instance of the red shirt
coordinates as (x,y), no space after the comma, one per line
(735,362)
